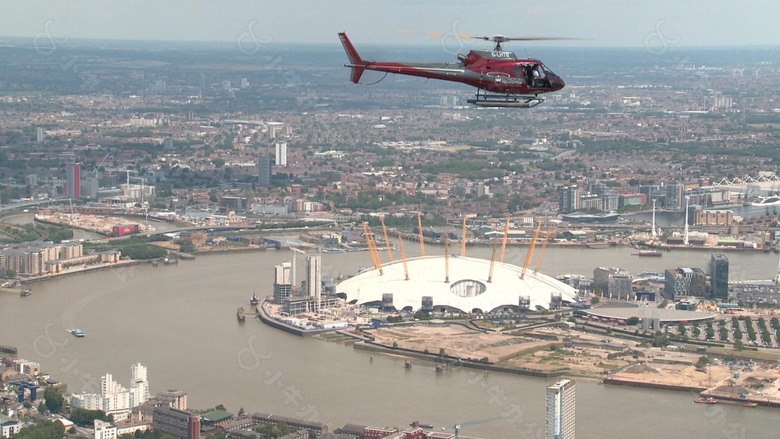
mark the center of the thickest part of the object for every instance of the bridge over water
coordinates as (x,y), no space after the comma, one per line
(764,184)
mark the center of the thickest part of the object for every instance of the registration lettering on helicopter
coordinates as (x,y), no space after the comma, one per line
(500,54)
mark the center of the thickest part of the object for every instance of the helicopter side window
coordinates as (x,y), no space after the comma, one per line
(539,77)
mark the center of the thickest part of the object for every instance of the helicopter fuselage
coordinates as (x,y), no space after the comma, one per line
(491,71)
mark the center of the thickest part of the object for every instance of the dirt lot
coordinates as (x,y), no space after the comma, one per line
(456,340)
(673,374)
(585,354)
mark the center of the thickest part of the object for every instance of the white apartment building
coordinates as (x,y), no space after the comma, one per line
(104,430)
(114,399)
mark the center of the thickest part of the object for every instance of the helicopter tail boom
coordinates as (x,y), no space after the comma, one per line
(356,63)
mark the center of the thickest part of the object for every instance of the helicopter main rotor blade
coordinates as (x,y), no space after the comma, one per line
(495,38)
(432,34)
(502,39)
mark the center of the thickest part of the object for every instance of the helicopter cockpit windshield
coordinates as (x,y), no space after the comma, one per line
(547,71)
(543,76)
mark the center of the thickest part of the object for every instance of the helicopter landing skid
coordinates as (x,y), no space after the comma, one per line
(505,100)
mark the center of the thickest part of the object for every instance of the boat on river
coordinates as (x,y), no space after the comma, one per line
(705,400)
(241,314)
(737,403)
(77,332)
(711,400)
(425,425)
(651,253)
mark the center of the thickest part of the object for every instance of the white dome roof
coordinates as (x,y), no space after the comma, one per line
(468,287)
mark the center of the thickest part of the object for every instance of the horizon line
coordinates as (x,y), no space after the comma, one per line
(337,44)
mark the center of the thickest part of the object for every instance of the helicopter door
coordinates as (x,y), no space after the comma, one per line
(521,71)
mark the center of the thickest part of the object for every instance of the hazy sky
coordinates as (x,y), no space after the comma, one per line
(637,23)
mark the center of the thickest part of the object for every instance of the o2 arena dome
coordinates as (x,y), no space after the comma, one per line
(455,283)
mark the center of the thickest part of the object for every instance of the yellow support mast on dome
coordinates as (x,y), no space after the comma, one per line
(530,254)
(463,238)
(506,237)
(492,261)
(544,247)
(387,240)
(446,259)
(420,234)
(372,248)
(403,254)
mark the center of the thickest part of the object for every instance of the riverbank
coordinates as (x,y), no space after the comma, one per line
(554,352)
(83,270)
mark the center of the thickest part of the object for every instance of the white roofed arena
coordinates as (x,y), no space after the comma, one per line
(455,283)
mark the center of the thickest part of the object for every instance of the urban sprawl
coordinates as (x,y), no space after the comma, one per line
(157,159)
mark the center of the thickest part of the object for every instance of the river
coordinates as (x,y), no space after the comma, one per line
(179,321)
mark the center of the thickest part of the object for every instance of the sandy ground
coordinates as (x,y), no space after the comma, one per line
(97,223)
(587,354)
(456,340)
(673,374)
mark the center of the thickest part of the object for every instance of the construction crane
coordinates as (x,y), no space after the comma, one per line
(141,179)
(97,168)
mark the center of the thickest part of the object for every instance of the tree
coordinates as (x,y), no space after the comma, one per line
(86,418)
(631,321)
(164,190)
(702,362)
(738,345)
(422,315)
(660,340)
(53,399)
(594,300)
(43,430)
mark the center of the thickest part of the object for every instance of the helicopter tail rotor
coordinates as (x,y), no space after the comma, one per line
(355,61)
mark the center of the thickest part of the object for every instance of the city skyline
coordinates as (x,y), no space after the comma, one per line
(602,23)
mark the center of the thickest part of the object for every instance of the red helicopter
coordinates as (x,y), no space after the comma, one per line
(501,78)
